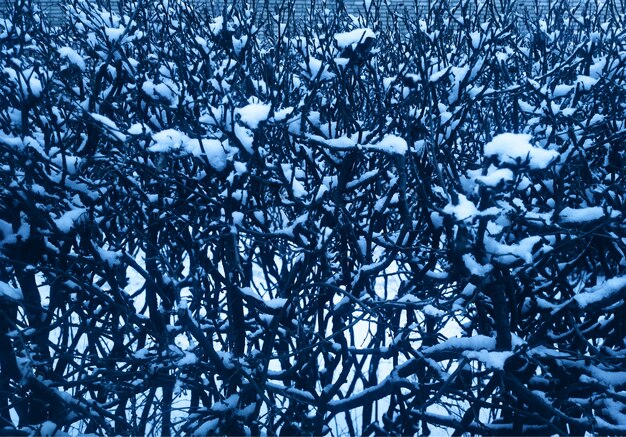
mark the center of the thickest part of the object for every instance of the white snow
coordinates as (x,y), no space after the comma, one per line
(296,185)
(491,359)
(111,257)
(48,429)
(253,114)
(354,37)
(71,163)
(391,144)
(580,215)
(474,267)
(214,151)
(230,403)
(496,177)
(601,292)
(463,211)
(188,359)
(282,114)
(585,82)
(429,309)
(6,26)
(172,140)
(341,143)
(114,33)
(207,428)
(561,91)
(508,254)
(597,67)
(28,80)
(142,354)
(477,342)
(110,126)
(203,43)
(166,141)
(246,412)
(138,129)
(526,107)
(476,38)
(68,220)
(315,67)
(239,43)
(10,292)
(238,218)
(276,303)
(73,57)
(611,378)
(301,394)
(438,74)
(516,149)
(409,299)
(342,62)
(596,119)
(217,25)
(166,90)
(245,137)
(34,84)
(437,219)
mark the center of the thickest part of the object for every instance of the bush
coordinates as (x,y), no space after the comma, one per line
(252,222)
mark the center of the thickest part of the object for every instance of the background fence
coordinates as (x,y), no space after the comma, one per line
(303,7)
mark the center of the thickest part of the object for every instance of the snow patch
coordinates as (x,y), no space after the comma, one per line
(585,82)
(172,140)
(601,292)
(110,126)
(391,144)
(188,360)
(474,267)
(432,311)
(354,37)
(114,33)
(581,215)
(516,149)
(253,114)
(214,151)
(68,220)
(48,429)
(508,254)
(245,137)
(166,141)
(315,68)
(112,258)
(10,292)
(72,57)
(464,210)
(495,177)
(282,114)
(166,90)
(138,129)
(477,343)
(276,303)
(207,428)
(611,378)
(492,359)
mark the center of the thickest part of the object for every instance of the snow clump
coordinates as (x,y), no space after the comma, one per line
(10,292)
(73,57)
(253,114)
(172,140)
(516,149)
(354,37)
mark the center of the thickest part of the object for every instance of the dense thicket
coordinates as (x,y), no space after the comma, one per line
(246,222)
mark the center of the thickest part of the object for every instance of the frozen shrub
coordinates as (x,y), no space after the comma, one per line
(243,220)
